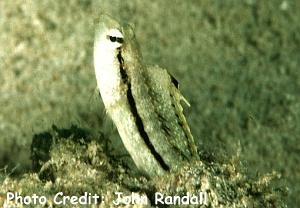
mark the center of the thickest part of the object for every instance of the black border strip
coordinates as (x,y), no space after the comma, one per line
(138,119)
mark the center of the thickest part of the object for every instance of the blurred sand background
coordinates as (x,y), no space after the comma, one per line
(237,62)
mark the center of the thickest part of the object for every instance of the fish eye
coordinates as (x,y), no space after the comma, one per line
(115,39)
(112,38)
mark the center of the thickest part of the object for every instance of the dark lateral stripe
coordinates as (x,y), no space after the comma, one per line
(138,119)
(122,71)
(143,133)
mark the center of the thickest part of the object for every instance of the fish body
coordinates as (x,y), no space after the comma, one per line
(142,101)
